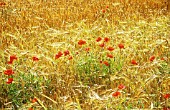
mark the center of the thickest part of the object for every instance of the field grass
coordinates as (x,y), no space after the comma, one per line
(84,55)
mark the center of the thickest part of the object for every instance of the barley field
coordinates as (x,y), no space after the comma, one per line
(85,54)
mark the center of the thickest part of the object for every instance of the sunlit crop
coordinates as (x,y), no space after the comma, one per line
(84,54)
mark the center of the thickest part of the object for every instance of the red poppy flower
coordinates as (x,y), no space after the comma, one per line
(2,3)
(66,52)
(101,45)
(107,6)
(134,62)
(152,58)
(58,55)
(116,94)
(9,80)
(34,58)
(10,62)
(98,39)
(12,58)
(106,39)
(121,46)
(103,10)
(110,48)
(110,55)
(70,57)
(163,58)
(77,53)
(121,86)
(87,49)
(166,96)
(106,63)
(8,72)
(81,42)
(34,100)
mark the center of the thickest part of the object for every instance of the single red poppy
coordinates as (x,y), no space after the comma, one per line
(81,42)
(121,46)
(116,94)
(66,52)
(10,62)
(101,45)
(58,55)
(70,57)
(106,39)
(77,53)
(12,58)
(34,100)
(110,55)
(98,39)
(9,81)
(107,6)
(8,72)
(34,58)
(163,58)
(166,96)
(110,48)
(152,58)
(121,86)
(106,63)
(87,49)
(134,62)
(103,10)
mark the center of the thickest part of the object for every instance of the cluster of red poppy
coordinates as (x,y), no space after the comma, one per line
(106,39)
(110,48)
(10,72)
(104,10)
(151,59)
(66,52)
(118,93)
(13,57)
